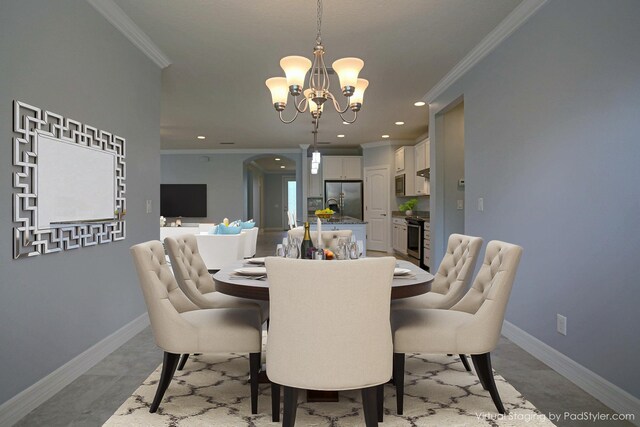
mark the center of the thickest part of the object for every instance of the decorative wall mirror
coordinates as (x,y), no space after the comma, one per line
(70,182)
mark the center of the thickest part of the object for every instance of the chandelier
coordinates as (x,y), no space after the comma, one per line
(317,93)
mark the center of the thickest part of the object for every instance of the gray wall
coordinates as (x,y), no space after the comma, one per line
(226,181)
(63,56)
(551,142)
(273,203)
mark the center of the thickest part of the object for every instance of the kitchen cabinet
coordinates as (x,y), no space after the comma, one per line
(421,154)
(426,251)
(315,183)
(340,168)
(399,235)
(408,169)
(399,160)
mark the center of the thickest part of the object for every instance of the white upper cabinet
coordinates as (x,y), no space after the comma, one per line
(399,160)
(315,183)
(339,168)
(421,152)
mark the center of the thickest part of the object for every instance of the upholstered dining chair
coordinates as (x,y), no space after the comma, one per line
(197,284)
(329,329)
(472,326)
(330,239)
(180,327)
(451,280)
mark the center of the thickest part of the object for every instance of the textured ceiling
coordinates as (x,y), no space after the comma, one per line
(223,51)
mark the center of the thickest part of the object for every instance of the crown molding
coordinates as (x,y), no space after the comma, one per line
(116,16)
(422,137)
(386,143)
(512,22)
(234,151)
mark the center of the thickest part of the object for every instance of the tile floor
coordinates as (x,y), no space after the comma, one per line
(94,397)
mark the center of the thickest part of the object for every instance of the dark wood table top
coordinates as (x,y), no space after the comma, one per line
(418,284)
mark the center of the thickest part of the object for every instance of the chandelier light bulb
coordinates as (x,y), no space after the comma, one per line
(312,105)
(358,96)
(347,70)
(279,92)
(295,68)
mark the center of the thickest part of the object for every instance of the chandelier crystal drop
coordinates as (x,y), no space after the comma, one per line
(317,93)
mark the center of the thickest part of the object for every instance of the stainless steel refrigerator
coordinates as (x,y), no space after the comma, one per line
(352,193)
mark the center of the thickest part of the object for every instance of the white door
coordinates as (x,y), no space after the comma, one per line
(376,207)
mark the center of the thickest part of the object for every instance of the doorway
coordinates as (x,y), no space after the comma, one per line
(377,188)
(289,198)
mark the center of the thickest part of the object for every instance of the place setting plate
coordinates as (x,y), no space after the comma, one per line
(403,273)
(256,261)
(250,273)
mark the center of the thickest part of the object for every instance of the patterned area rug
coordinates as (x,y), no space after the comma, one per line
(214,391)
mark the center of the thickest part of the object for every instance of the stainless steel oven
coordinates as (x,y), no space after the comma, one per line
(414,237)
(400,179)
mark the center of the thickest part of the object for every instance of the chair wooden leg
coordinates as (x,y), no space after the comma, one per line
(480,377)
(380,402)
(169,365)
(465,362)
(290,406)
(398,378)
(370,407)
(183,360)
(254,369)
(482,362)
(275,402)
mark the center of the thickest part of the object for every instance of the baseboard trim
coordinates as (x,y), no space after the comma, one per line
(27,400)
(603,390)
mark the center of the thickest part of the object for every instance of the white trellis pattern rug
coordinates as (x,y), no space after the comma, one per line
(214,391)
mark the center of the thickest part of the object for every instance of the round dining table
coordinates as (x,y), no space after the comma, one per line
(416,282)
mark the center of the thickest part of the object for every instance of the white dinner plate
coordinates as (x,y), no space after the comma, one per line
(401,271)
(258,261)
(251,271)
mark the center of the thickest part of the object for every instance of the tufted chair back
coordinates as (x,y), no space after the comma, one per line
(164,299)
(487,299)
(329,238)
(329,323)
(455,270)
(191,273)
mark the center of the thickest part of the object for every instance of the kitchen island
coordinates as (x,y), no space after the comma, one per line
(358,226)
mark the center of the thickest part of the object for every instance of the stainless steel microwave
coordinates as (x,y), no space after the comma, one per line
(400,188)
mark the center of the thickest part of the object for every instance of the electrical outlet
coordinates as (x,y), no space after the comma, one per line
(480,204)
(460,205)
(148,206)
(562,324)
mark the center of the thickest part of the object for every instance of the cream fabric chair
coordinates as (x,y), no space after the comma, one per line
(329,329)
(250,241)
(330,239)
(218,250)
(179,326)
(291,217)
(205,227)
(196,282)
(472,326)
(451,280)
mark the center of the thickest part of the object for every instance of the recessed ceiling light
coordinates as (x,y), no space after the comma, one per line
(399,123)
(201,137)
(385,136)
(346,123)
(340,136)
(420,103)
(282,167)
(277,159)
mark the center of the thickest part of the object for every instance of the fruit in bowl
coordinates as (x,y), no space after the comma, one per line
(324,213)
(329,254)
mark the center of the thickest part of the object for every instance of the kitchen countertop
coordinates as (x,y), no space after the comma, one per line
(335,220)
(416,214)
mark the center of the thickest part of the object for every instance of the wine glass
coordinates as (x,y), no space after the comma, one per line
(293,250)
(354,250)
(280,250)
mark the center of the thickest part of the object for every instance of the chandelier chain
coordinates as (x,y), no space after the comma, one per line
(318,35)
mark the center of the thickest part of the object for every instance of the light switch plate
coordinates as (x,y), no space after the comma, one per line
(460,205)
(562,324)
(480,204)
(148,206)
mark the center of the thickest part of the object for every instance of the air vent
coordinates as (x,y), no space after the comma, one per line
(324,143)
(227,143)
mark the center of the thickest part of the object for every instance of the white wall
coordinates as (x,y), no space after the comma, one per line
(551,144)
(63,56)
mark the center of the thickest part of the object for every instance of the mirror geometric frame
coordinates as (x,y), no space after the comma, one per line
(28,239)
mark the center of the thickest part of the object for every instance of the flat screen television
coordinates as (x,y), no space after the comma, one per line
(186,200)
